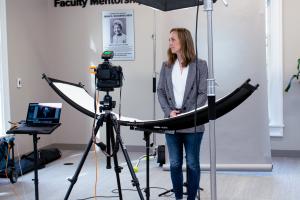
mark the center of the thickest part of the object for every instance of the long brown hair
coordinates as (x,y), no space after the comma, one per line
(187,47)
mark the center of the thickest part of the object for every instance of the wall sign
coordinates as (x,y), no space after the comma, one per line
(118,33)
(84,3)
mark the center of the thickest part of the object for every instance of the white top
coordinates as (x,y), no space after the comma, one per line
(179,82)
(119,39)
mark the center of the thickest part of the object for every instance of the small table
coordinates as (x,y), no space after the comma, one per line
(34,131)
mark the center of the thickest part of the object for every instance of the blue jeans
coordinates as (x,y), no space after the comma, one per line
(191,143)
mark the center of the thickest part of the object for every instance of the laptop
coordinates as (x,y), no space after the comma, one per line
(43,114)
(42,118)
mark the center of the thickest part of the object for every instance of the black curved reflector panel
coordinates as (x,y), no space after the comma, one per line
(78,97)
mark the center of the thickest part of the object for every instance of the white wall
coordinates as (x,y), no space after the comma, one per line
(4,82)
(27,59)
(291,53)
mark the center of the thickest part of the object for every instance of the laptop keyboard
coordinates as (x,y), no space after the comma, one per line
(23,128)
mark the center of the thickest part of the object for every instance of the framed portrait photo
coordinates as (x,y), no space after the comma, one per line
(118,33)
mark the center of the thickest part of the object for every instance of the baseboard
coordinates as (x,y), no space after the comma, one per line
(232,167)
(63,146)
(135,148)
(285,153)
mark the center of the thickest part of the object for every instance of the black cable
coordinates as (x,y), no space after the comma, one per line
(134,190)
(99,197)
(197,86)
(115,191)
(118,131)
(95,109)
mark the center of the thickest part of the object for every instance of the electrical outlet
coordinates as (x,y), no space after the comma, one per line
(19,82)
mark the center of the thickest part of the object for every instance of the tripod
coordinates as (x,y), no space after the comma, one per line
(111,126)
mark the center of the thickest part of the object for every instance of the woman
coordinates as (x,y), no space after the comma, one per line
(177,93)
(119,36)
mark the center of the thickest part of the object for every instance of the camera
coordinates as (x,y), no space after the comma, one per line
(108,77)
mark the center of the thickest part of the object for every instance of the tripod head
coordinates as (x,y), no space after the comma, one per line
(107,104)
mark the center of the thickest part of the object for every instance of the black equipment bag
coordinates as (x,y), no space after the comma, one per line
(161,157)
(26,164)
(45,156)
(49,154)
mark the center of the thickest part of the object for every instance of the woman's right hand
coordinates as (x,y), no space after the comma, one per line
(174,113)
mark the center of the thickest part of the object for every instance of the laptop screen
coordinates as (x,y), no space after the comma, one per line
(43,113)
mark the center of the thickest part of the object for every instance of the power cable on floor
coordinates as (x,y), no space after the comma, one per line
(116,191)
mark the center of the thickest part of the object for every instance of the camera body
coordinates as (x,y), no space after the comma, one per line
(108,77)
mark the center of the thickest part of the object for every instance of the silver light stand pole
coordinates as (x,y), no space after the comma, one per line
(211,96)
(154,78)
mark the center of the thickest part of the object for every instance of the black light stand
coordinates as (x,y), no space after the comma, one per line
(112,142)
(36,176)
(147,139)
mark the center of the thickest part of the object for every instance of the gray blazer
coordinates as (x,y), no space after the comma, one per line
(166,96)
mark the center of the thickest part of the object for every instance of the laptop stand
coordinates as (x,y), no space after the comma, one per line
(34,134)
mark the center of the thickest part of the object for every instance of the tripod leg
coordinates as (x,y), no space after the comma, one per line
(75,177)
(73,180)
(135,181)
(109,131)
(116,164)
(118,171)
